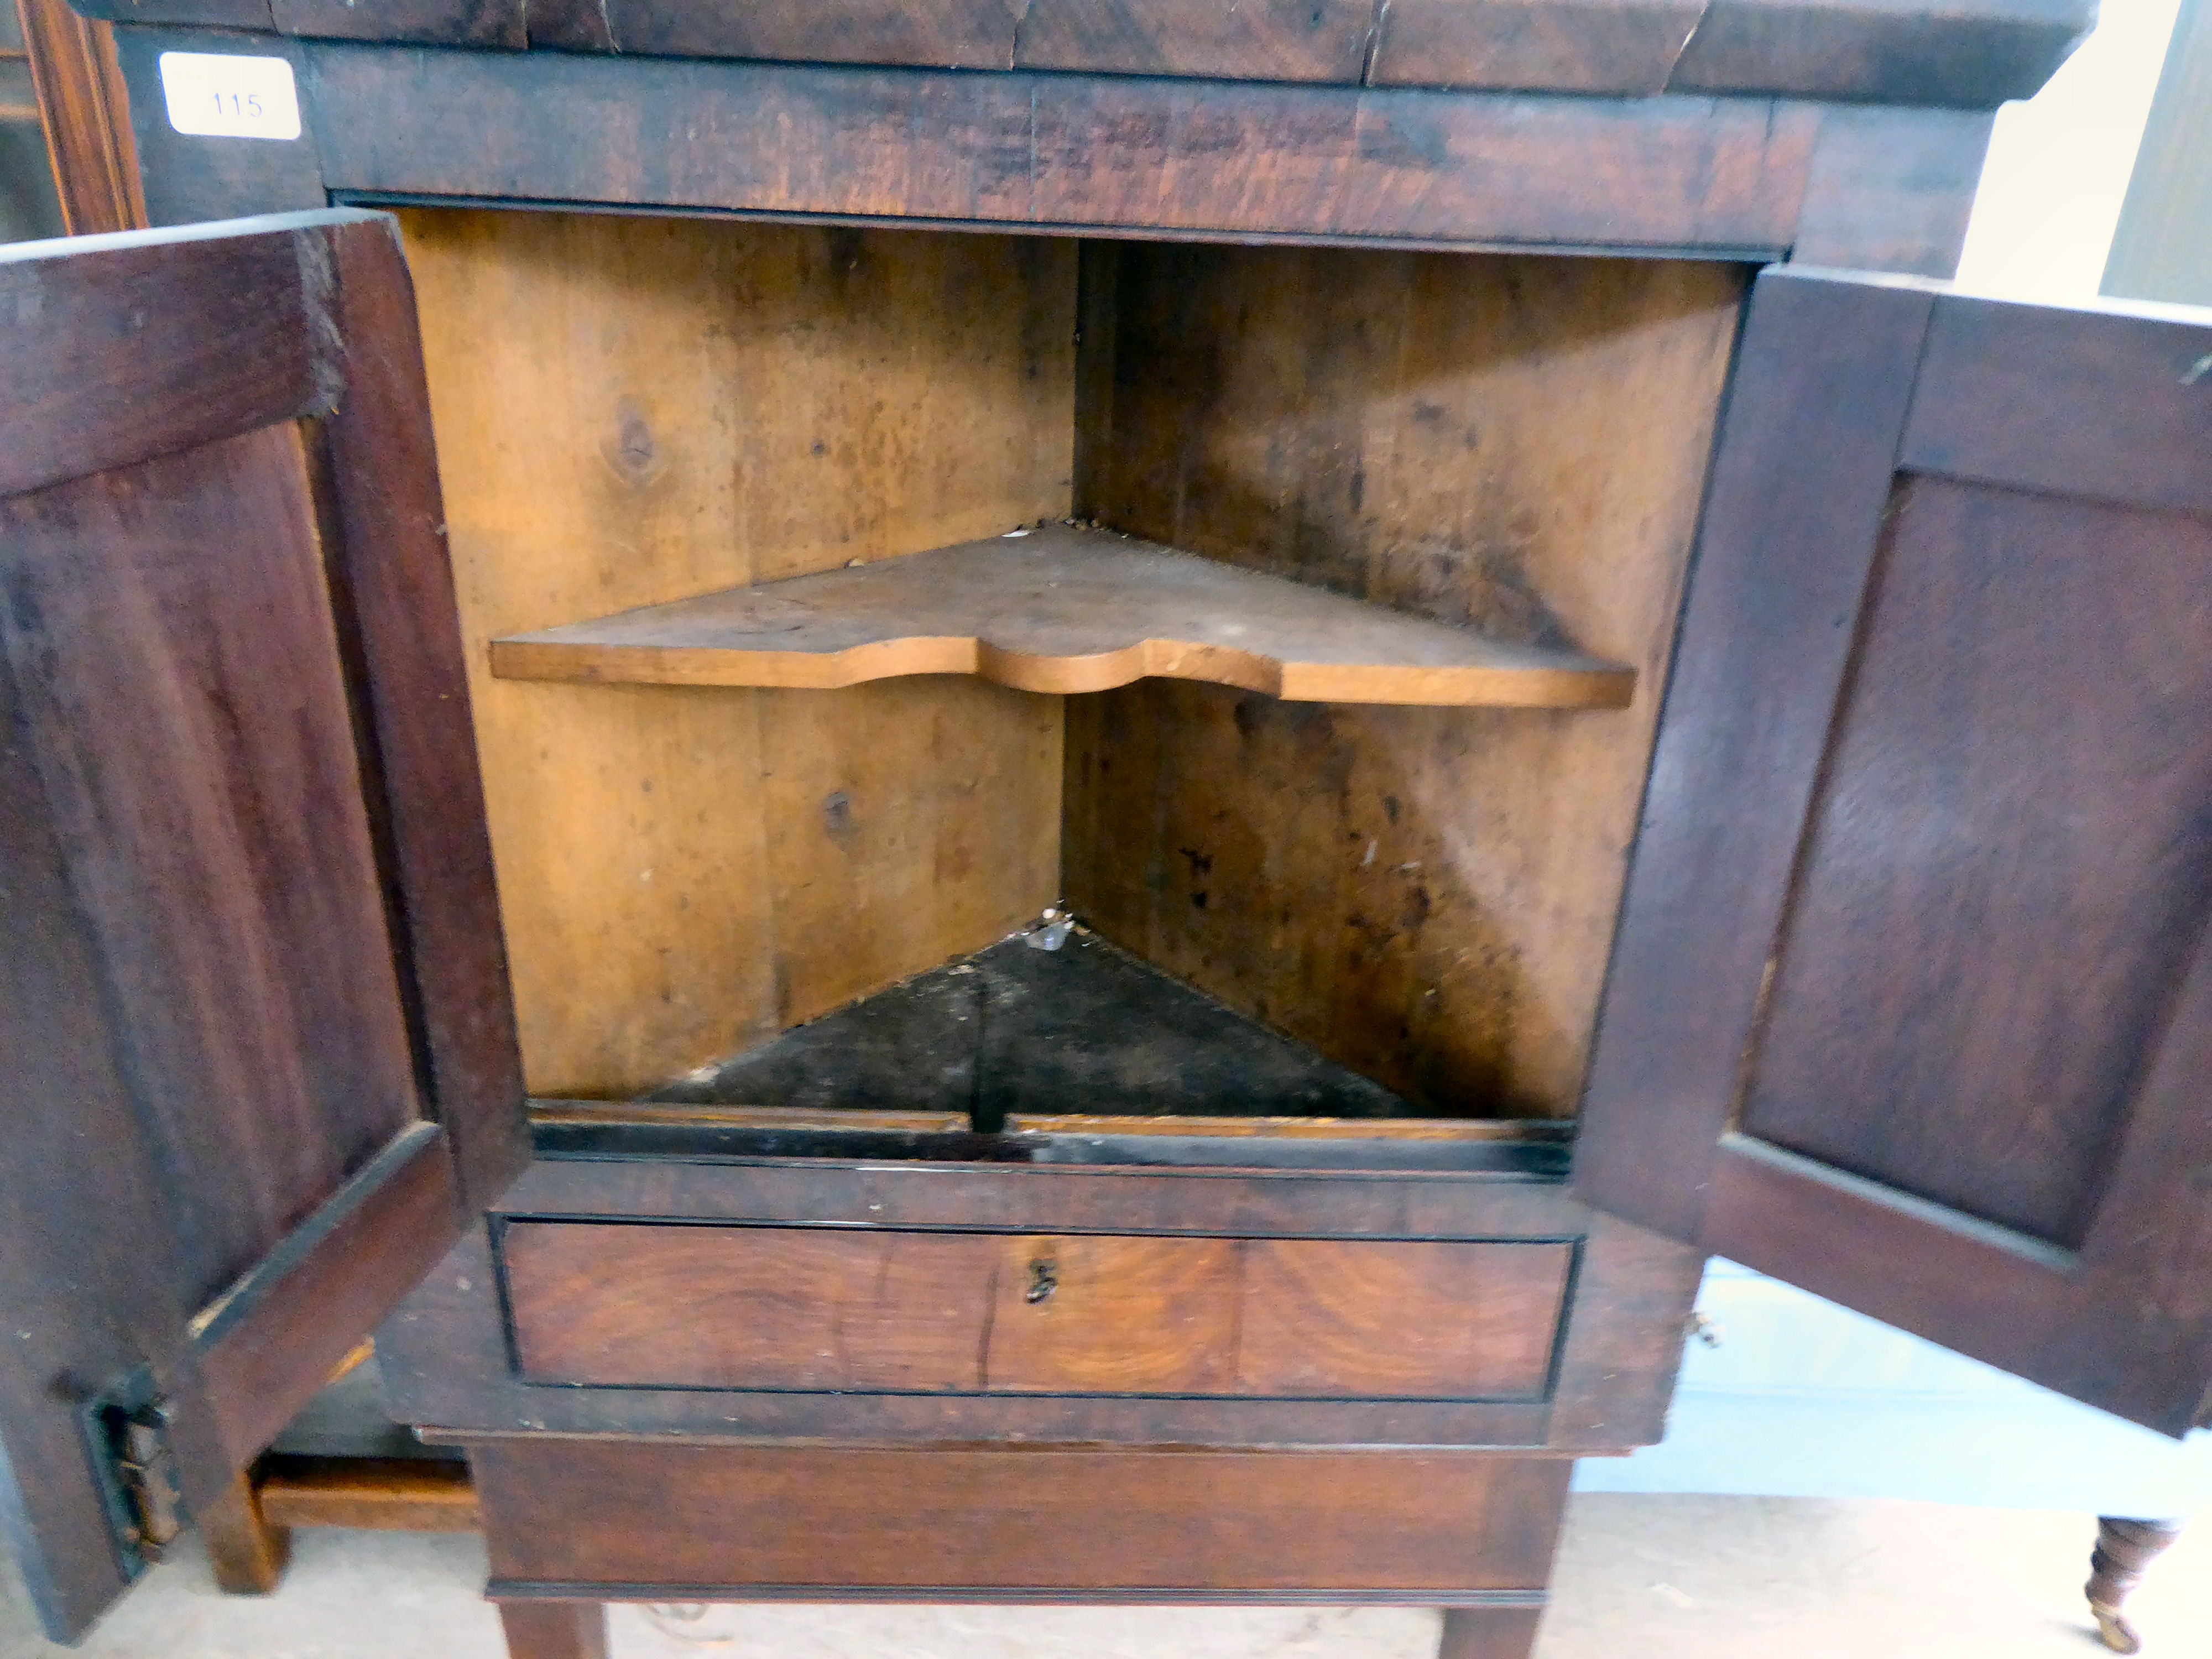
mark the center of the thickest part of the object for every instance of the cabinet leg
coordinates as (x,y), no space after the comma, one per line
(2124,1548)
(1490,1632)
(247,1553)
(555,1630)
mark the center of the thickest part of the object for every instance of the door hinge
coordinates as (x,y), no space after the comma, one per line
(129,1428)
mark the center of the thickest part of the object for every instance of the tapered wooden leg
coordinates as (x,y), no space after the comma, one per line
(555,1630)
(1490,1632)
(247,1553)
(2124,1548)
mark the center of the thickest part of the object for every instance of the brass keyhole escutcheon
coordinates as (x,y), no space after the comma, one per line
(1044,1279)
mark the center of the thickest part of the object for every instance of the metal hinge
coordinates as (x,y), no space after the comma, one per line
(128,1429)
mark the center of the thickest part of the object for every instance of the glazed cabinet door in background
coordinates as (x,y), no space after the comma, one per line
(1911,1004)
(252,1007)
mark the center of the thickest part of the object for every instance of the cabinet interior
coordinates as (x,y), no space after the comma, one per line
(731,897)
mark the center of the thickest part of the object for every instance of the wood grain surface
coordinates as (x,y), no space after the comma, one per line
(85,112)
(1511,445)
(2043,960)
(367,1494)
(236,895)
(1891,189)
(749,1306)
(211,14)
(943,34)
(762,1117)
(1867,185)
(1259,40)
(1826,368)
(1912,1030)
(873,1310)
(1058,609)
(441,23)
(1975,54)
(568,25)
(554,1629)
(685,872)
(1725,177)
(447,1361)
(201,742)
(1289,1128)
(391,582)
(1405,1319)
(75,406)
(1117,1315)
(2107,403)
(265,1347)
(1016,1523)
(75,1148)
(1968,57)
(1563,46)
(247,1552)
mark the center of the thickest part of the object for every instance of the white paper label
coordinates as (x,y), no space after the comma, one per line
(214,96)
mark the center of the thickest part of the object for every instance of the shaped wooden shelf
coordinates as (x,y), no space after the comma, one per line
(1063,610)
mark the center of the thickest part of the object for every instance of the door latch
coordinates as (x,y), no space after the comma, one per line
(128,1427)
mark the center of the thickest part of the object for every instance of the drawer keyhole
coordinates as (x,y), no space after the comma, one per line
(1044,1279)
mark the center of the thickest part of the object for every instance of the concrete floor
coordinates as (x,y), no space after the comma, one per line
(1638,1578)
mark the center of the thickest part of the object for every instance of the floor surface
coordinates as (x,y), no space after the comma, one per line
(1639,1578)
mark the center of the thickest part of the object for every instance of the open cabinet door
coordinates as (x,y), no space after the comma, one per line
(1911,1004)
(257,1054)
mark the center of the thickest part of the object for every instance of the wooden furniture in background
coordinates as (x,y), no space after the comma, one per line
(30,207)
(83,107)
(18,101)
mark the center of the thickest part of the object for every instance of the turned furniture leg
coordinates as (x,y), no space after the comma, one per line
(247,1553)
(1490,1632)
(2124,1548)
(555,1630)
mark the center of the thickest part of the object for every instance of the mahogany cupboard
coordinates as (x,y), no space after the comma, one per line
(1065,907)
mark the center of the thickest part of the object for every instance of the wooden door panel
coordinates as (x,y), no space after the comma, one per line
(54,1034)
(219,530)
(2106,405)
(2003,876)
(73,410)
(183,697)
(1904,1005)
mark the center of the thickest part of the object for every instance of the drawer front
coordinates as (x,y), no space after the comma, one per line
(625,1304)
